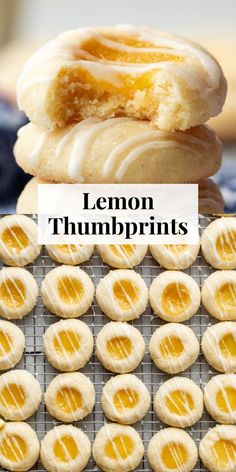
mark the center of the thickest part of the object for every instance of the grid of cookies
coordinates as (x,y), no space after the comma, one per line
(34,360)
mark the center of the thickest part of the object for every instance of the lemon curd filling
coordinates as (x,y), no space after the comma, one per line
(119,348)
(12,293)
(125,399)
(226,245)
(226,399)
(225,297)
(126,293)
(119,447)
(65,449)
(175,298)
(5,343)
(126,250)
(66,248)
(69,399)
(13,448)
(70,290)
(12,395)
(174,455)
(68,341)
(225,451)
(228,345)
(14,238)
(176,248)
(179,402)
(171,346)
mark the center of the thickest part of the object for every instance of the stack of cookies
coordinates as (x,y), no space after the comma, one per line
(120,105)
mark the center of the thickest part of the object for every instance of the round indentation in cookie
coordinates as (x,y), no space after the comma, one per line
(71,254)
(18,240)
(217,449)
(173,347)
(18,293)
(122,256)
(122,295)
(65,449)
(219,346)
(172,449)
(219,294)
(67,291)
(12,344)
(19,446)
(218,243)
(117,448)
(125,399)
(174,256)
(174,296)
(68,344)
(120,347)
(70,397)
(220,398)
(179,402)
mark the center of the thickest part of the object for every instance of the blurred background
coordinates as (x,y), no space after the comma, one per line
(25,25)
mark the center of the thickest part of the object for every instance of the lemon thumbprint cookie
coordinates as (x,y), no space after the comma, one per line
(218,243)
(121,70)
(174,256)
(18,293)
(65,449)
(217,449)
(179,402)
(219,294)
(20,395)
(220,398)
(172,449)
(68,344)
(72,254)
(174,296)
(67,291)
(120,347)
(219,346)
(12,344)
(122,256)
(173,347)
(19,446)
(117,448)
(18,240)
(125,399)
(122,295)
(70,397)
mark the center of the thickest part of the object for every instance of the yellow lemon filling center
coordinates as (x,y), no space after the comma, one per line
(13,447)
(12,293)
(5,343)
(226,245)
(225,297)
(65,449)
(226,399)
(67,248)
(174,455)
(125,399)
(179,402)
(66,341)
(69,399)
(228,345)
(225,451)
(126,293)
(175,298)
(70,289)
(176,248)
(119,348)
(123,250)
(171,346)
(119,447)
(15,239)
(12,395)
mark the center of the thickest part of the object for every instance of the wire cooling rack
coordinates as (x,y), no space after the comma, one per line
(35,324)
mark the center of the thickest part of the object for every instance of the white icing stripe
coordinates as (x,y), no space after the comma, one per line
(35,155)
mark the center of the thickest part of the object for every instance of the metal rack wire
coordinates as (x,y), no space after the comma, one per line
(35,324)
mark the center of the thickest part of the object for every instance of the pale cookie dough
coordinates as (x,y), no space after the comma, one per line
(120,347)
(122,295)
(125,399)
(68,344)
(220,398)
(12,344)
(172,449)
(173,347)
(67,291)
(18,240)
(18,293)
(118,150)
(19,446)
(179,402)
(122,256)
(175,256)
(72,254)
(217,449)
(174,296)
(65,449)
(219,295)
(20,395)
(70,397)
(117,448)
(218,243)
(219,346)
(121,70)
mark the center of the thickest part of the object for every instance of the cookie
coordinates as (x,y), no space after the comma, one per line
(217,449)
(218,243)
(19,446)
(219,346)
(219,295)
